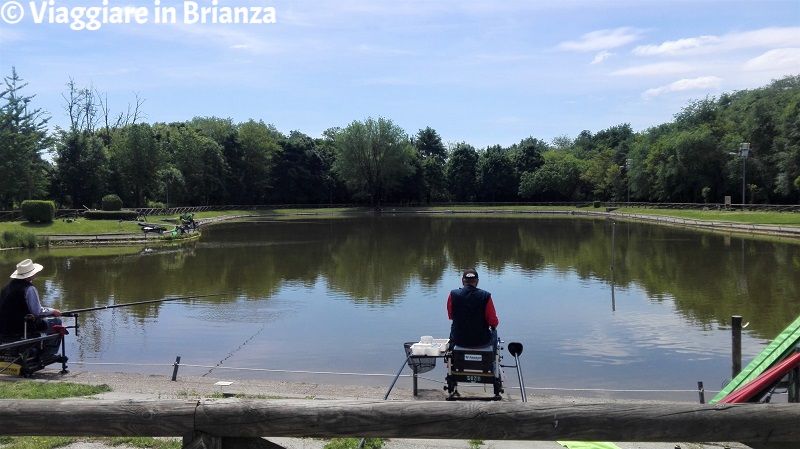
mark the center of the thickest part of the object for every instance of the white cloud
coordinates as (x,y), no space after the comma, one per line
(778,59)
(661,68)
(602,56)
(673,47)
(602,40)
(703,82)
(764,38)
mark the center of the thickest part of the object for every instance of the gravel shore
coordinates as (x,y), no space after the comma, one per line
(127,386)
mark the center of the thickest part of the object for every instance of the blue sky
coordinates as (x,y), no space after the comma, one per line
(484,72)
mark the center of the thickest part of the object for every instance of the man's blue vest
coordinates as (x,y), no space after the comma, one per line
(468,307)
(13,307)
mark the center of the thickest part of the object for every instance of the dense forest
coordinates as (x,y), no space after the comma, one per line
(695,158)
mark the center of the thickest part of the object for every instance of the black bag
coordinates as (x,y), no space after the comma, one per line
(39,324)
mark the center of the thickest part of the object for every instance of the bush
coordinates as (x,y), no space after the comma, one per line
(111,203)
(111,215)
(21,239)
(38,211)
(596,203)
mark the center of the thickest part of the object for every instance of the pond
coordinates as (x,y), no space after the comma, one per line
(607,309)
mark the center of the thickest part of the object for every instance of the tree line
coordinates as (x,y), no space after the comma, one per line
(694,158)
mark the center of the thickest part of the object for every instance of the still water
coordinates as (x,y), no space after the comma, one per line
(602,308)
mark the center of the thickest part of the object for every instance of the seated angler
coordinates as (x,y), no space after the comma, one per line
(19,299)
(473,314)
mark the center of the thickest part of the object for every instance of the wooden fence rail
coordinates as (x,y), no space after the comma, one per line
(243,420)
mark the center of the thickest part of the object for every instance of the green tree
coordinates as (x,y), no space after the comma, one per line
(584,146)
(429,144)
(788,158)
(787,144)
(496,177)
(433,155)
(617,138)
(701,163)
(601,175)
(412,187)
(645,160)
(373,157)
(706,192)
(433,173)
(225,133)
(259,151)
(195,175)
(136,160)
(23,138)
(562,142)
(326,147)
(301,172)
(461,172)
(82,174)
(527,155)
(558,179)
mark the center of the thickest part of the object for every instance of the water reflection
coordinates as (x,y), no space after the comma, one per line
(343,295)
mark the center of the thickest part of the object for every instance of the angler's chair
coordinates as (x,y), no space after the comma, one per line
(32,351)
(474,365)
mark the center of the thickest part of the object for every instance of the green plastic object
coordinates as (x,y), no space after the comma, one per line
(780,348)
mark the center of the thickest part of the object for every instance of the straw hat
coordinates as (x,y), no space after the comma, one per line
(26,269)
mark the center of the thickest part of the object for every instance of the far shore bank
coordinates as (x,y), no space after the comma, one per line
(719,226)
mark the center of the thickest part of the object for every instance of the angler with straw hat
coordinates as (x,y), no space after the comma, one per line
(20,298)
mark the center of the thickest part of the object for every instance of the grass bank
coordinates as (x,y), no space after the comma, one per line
(745,217)
(60,390)
(20,239)
(93,227)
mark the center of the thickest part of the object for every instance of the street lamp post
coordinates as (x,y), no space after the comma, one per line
(627,168)
(744,151)
(628,178)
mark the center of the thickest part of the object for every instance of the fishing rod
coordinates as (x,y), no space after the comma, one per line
(114,306)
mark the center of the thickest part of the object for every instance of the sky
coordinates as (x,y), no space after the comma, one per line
(483,72)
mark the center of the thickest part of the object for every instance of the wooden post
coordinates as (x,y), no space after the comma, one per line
(175,368)
(542,420)
(702,392)
(736,345)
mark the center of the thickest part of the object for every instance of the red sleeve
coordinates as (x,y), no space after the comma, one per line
(449,307)
(491,315)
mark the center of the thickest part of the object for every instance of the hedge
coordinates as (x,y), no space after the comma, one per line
(111,203)
(38,211)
